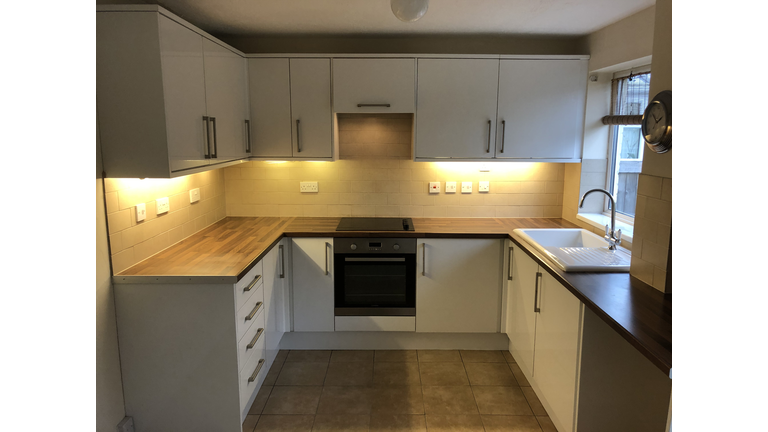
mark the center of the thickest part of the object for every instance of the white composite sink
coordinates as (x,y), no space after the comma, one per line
(576,250)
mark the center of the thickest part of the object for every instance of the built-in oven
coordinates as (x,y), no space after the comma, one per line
(375,276)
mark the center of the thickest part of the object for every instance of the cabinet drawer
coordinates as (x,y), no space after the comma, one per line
(250,311)
(252,376)
(253,337)
(248,284)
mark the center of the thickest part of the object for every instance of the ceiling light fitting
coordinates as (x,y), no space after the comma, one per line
(409,10)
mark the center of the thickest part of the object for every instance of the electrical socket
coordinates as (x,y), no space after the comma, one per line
(484,186)
(308,187)
(162,205)
(194,195)
(126,425)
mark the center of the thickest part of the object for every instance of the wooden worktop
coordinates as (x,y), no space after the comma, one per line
(229,248)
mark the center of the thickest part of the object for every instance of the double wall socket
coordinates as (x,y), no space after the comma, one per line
(162,205)
(308,187)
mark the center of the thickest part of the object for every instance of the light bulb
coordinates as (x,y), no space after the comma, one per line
(409,10)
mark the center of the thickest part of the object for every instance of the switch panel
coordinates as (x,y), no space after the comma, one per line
(194,195)
(466,187)
(484,186)
(308,187)
(141,212)
(434,187)
(450,187)
(162,205)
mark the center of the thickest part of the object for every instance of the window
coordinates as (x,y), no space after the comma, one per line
(629,97)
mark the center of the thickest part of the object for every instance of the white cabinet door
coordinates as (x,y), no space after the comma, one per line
(379,85)
(460,288)
(556,361)
(311,117)
(456,113)
(273,291)
(226,101)
(541,109)
(521,317)
(269,89)
(313,299)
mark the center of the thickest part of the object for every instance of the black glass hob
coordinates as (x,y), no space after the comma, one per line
(375,224)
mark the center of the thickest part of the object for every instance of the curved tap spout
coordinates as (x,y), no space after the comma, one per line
(612,236)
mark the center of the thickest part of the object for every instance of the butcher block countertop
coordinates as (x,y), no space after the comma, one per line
(225,251)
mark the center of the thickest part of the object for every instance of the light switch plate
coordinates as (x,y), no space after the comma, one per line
(434,187)
(162,205)
(141,212)
(450,187)
(194,195)
(308,187)
(484,186)
(466,187)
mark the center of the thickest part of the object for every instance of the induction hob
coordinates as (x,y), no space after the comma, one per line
(375,224)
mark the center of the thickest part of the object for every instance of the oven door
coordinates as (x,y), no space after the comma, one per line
(375,284)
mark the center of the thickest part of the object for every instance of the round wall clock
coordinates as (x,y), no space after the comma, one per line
(657,122)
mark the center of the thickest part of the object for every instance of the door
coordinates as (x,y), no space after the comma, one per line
(312,260)
(521,317)
(311,119)
(541,108)
(456,113)
(446,271)
(269,90)
(226,101)
(379,85)
(273,290)
(181,55)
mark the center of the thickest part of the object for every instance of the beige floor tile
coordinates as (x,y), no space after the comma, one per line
(514,423)
(397,423)
(443,374)
(508,357)
(349,374)
(518,373)
(449,400)
(397,400)
(250,423)
(396,356)
(534,402)
(272,375)
(308,356)
(352,356)
(293,400)
(285,423)
(281,356)
(396,374)
(341,423)
(302,374)
(345,400)
(498,374)
(482,356)
(455,423)
(546,424)
(501,400)
(439,356)
(261,400)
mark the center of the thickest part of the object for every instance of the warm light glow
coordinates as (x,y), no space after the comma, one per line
(276,162)
(519,168)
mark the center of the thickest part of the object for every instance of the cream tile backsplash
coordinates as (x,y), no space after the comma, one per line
(131,242)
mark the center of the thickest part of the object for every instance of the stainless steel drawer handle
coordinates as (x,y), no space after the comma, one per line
(536,307)
(248,135)
(511,253)
(207,139)
(375,259)
(253,312)
(282,261)
(255,373)
(327,245)
(423,259)
(215,146)
(298,137)
(488,149)
(252,284)
(255,339)
(503,133)
(373,105)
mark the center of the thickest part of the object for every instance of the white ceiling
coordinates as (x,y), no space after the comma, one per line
(374,17)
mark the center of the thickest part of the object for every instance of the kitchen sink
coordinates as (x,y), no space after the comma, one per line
(576,250)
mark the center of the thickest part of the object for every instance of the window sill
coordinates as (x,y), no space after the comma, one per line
(599,221)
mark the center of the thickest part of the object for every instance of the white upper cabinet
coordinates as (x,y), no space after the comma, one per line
(541,109)
(269,84)
(311,116)
(374,85)
(456,112)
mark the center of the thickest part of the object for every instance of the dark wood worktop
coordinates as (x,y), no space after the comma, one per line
(230,247)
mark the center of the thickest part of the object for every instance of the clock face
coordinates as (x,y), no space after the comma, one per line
(655,122)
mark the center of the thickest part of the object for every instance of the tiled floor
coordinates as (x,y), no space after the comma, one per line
(393,391)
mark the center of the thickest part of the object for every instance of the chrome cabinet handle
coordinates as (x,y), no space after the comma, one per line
(327,245)
(509,272)
(252,284)
(207,143)
(423,259)
(298,138)
(255,339)
(253,312)
(373,105)
(536,307)
(248,135)
(488,149)
(255,373)
(282,261)
(215,147)
(503,133)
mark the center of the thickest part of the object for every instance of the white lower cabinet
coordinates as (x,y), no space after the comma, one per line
(313,301)
(276,296)
(458,285)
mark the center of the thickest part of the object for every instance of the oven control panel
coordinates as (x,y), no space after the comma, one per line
(374,245)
